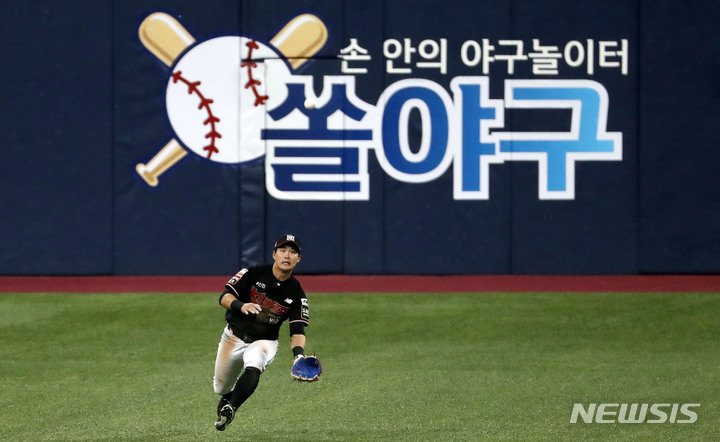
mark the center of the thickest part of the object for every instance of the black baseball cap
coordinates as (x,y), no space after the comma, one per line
(288,239)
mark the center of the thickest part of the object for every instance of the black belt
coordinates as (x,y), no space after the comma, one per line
(243,337)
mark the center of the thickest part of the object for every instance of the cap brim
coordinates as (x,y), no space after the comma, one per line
(292,243)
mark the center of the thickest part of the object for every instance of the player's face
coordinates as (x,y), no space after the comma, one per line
(286,258)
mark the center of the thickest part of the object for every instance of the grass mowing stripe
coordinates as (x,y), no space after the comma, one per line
(437,366)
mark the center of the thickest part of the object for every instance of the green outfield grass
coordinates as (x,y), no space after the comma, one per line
(490,366)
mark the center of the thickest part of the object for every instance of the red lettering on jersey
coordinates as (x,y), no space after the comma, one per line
(260,299)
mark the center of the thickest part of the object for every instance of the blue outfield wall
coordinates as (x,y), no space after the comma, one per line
(443,137)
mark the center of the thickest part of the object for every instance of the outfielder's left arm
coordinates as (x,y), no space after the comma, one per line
(297,341)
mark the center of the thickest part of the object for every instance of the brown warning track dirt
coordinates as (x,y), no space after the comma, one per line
(384,283)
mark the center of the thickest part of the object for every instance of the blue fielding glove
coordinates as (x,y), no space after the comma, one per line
(306,369)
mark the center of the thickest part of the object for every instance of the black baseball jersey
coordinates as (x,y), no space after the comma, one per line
(280,300)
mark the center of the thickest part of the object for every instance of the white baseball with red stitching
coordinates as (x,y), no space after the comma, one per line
(218,95)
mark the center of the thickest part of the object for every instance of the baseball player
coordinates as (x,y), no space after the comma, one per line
(258,300)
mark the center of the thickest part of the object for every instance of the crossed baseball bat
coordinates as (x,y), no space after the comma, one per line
(167,39)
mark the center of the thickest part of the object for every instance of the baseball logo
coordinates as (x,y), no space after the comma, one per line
(220,90)
(217,96)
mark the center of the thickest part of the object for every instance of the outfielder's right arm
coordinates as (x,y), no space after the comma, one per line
(230,302)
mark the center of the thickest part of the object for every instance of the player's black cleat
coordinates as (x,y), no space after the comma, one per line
(227,413)
(223,401)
